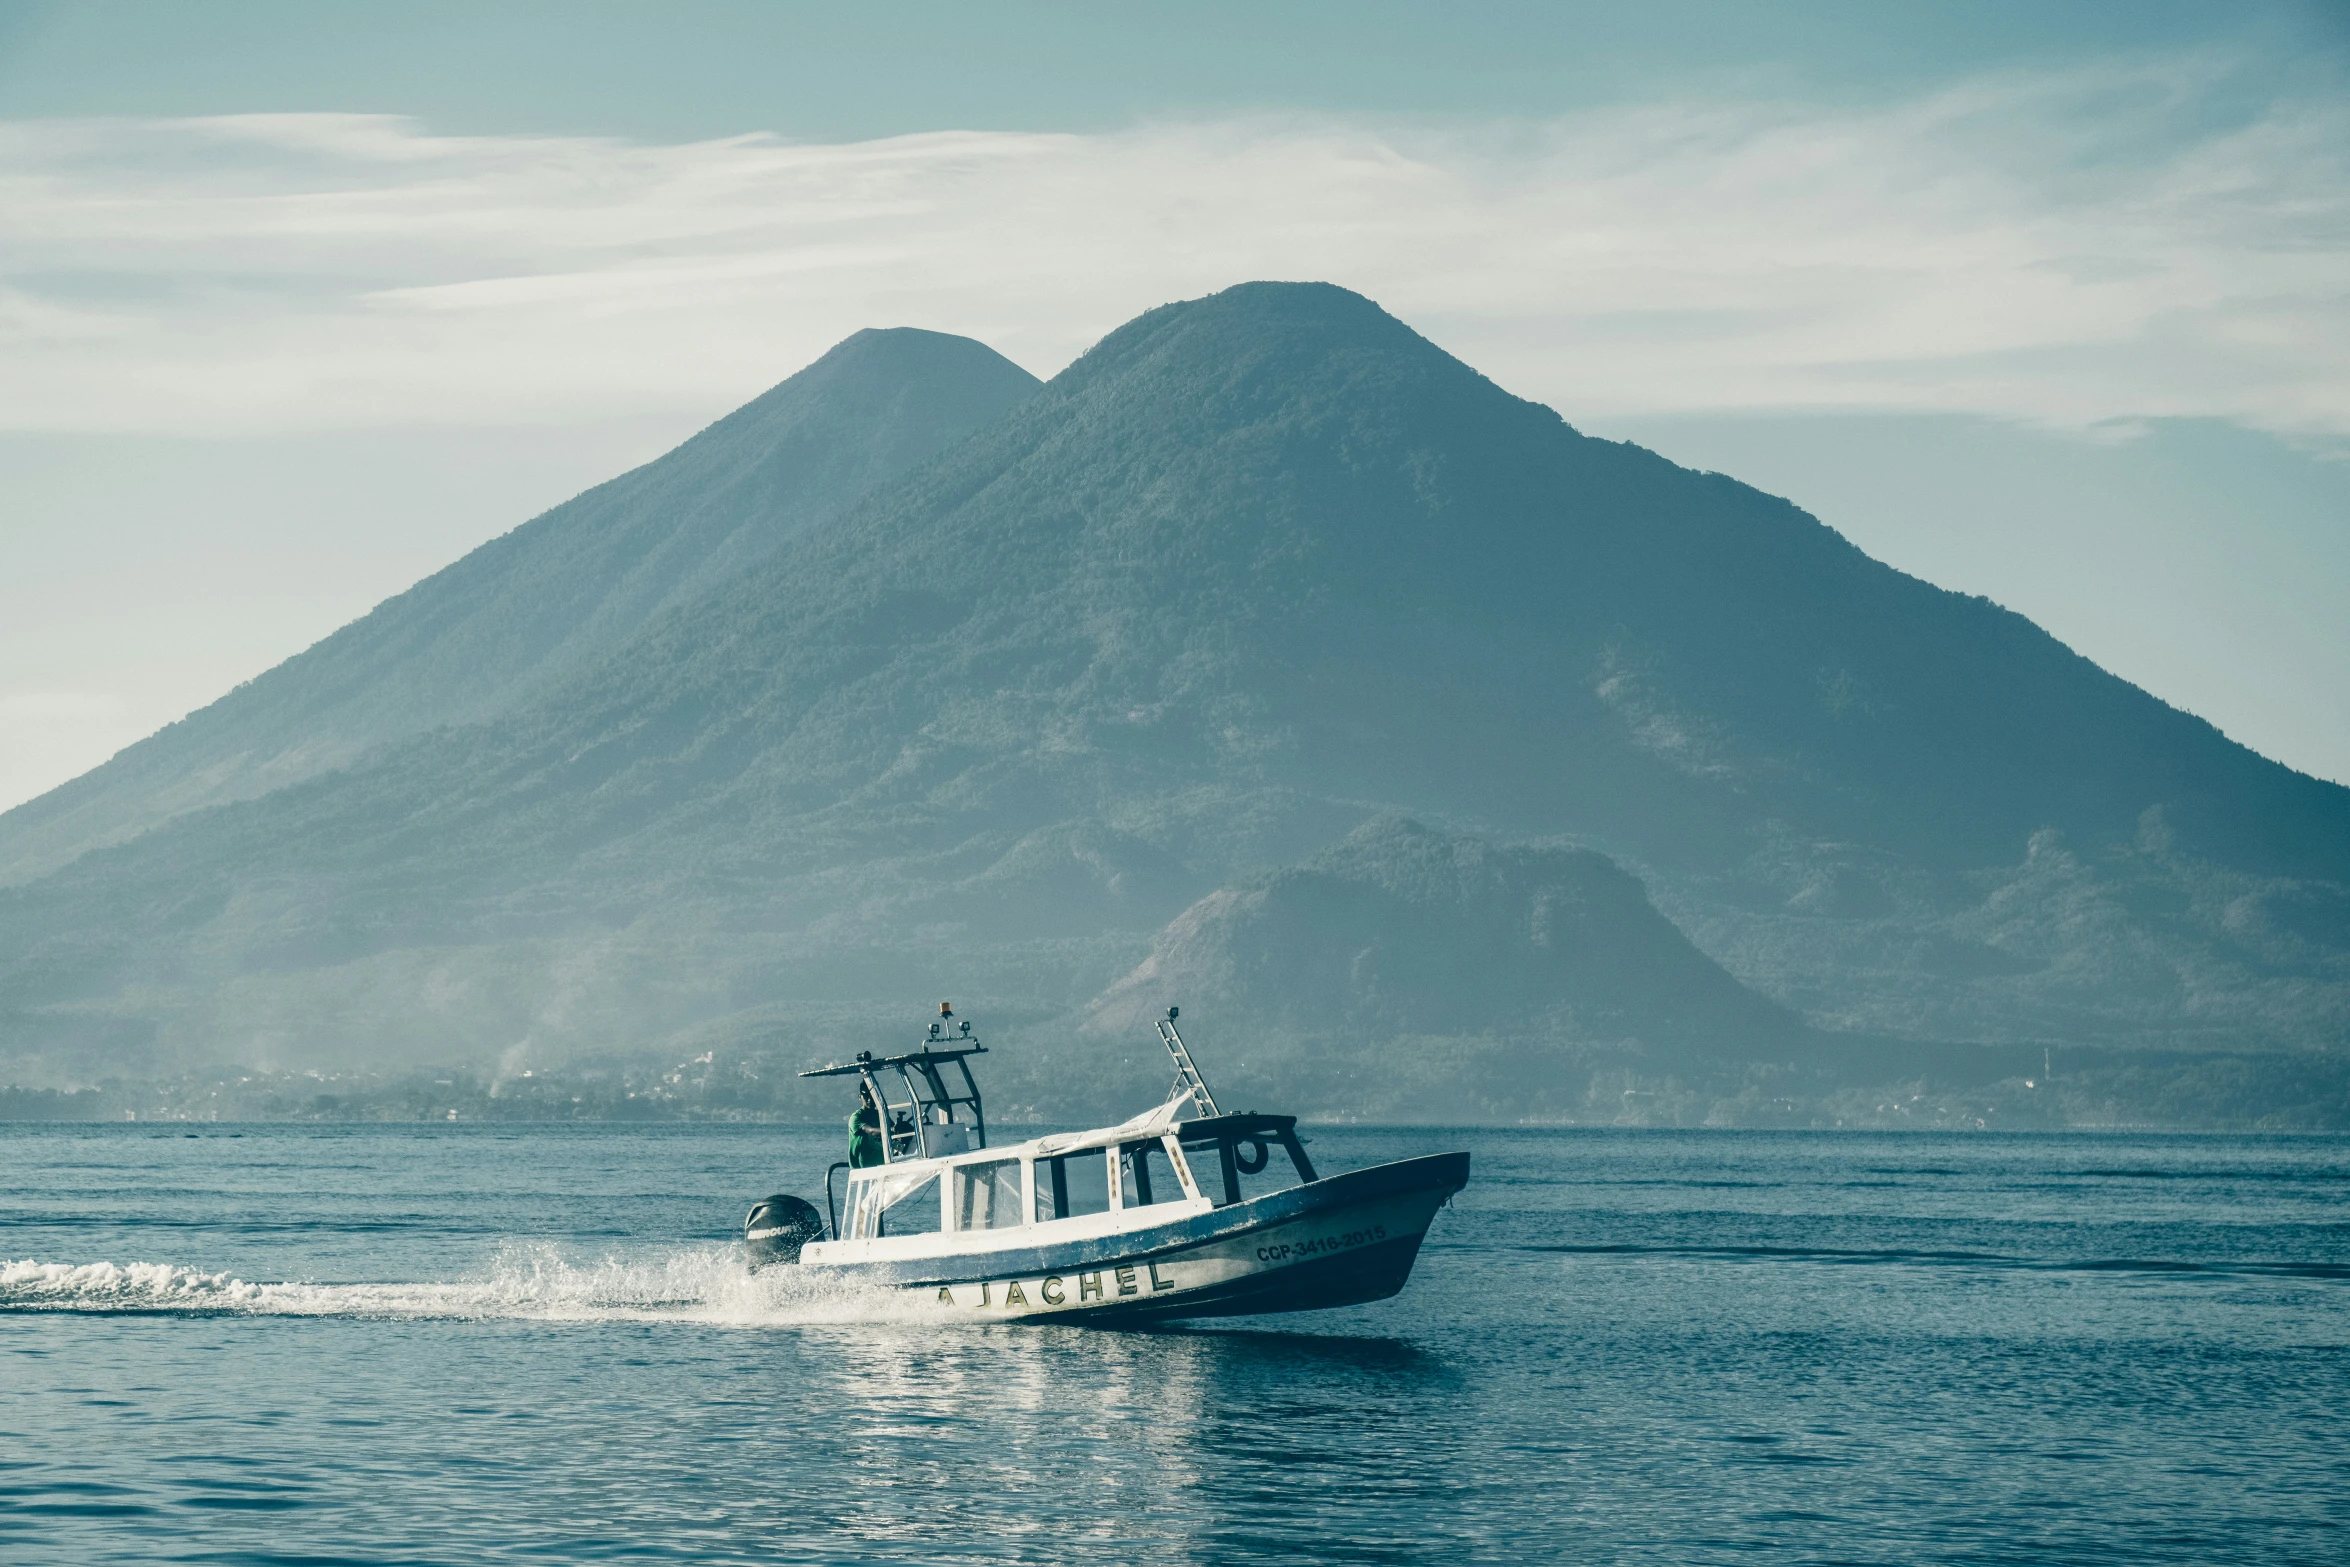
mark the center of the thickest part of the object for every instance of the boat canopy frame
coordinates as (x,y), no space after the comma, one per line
(921,1094)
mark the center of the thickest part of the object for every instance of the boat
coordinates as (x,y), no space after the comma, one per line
(1183,1211)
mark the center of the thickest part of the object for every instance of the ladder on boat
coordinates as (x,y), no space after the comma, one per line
(1187,1078)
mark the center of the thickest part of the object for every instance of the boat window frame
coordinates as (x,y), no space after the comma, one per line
(953,1177)
(1108,1145)
(1167,1143)
(1103,1153)
(868,1212)
(1225,1133)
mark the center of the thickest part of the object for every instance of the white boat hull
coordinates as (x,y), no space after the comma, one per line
(1337,1241)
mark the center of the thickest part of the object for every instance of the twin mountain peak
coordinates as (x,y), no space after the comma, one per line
(1267,657)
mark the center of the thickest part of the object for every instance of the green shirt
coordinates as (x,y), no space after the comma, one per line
(864,1142)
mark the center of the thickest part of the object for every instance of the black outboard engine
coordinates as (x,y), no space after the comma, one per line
(778,1227)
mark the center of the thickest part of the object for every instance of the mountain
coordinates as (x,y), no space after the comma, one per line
(1398,929)
(1257,569)
(1508,972)
(517,612)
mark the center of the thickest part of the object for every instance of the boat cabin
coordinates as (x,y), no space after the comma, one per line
(1215,1162)
(938,1175)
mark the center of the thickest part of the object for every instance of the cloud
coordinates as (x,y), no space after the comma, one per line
(2071,249)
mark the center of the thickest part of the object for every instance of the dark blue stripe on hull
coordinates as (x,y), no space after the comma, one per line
(1349,1279)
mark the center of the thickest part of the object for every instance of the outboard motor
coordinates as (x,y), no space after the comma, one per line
(778,1227)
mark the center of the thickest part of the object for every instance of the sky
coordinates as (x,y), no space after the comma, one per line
(298,303)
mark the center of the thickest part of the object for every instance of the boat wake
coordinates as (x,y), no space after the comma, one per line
(525,1282)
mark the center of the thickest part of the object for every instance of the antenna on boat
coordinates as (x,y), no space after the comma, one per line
(1187,1076)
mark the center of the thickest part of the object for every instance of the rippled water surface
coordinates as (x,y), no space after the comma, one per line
(470,1344)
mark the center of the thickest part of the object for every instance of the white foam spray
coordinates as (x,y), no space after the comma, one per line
(531,1281)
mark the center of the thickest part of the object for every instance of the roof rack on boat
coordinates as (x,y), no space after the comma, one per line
(923,1121)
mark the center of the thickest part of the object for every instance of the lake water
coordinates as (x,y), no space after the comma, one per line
(280,1344)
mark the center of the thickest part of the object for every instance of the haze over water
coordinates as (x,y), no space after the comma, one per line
(466,1344)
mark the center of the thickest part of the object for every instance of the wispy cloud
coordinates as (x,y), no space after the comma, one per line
(2069,249)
